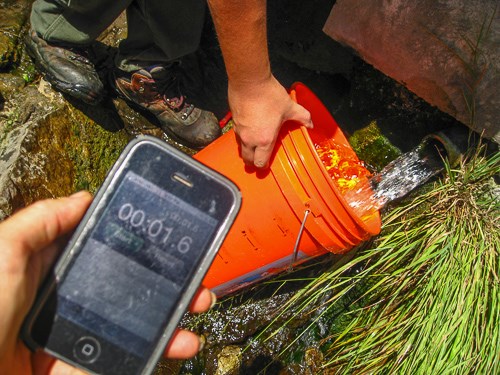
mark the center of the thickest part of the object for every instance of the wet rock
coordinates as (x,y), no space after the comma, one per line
(167,367)
(10,83)
(446,52)
(229,361)
(371,146)
(229,330)
(115,32)
(229,325)
(313,359)
(251,329)
(49,148)
(22,175)
(310,365)
(13,17)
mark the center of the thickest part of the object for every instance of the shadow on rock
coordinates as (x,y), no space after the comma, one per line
(104,114)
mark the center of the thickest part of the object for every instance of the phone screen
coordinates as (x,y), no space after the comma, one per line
(145,243)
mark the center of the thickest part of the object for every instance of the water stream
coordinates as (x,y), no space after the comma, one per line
(397,179)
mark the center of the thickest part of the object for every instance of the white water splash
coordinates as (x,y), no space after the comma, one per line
(397,179)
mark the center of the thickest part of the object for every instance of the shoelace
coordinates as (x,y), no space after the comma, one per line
(169,89)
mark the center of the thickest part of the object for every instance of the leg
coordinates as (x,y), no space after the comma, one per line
(160,32)
(60,31)
(75,22)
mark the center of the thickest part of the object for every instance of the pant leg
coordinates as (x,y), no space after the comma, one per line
(74,21)
(160,31)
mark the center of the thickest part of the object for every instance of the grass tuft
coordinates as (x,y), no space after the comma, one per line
(425,299)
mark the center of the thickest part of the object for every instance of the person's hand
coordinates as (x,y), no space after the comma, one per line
(258,112)
(29,243)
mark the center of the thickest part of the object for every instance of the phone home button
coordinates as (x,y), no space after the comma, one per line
(87,349)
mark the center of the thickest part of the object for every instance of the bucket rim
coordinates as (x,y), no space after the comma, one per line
(309,175)
(372,224)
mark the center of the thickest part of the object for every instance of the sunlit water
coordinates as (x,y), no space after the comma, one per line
(396,180)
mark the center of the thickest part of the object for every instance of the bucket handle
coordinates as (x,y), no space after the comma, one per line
(297,241)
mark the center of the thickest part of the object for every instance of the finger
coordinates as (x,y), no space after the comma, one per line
(184,344)
(46,220)
(203,301)
(247,153)
(262,156)
(302,115)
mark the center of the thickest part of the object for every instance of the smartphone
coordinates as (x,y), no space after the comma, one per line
(134,263)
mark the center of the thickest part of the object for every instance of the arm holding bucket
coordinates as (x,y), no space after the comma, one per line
(259,103)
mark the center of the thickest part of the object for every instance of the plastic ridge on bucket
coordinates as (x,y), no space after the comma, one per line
(333,202)
(330,205)
(301,181)
(305,139)
(273,215)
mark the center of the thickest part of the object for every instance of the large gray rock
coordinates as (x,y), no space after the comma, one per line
(24,156)
(447,52)
(49,149)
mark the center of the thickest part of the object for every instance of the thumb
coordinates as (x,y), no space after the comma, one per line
(302,115)
(41,223)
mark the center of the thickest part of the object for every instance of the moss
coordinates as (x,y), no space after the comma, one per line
(8,125)
(43,169)
(373,147)
(12,19)
(93,151)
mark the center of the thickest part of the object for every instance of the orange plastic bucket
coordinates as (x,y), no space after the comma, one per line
(289,213)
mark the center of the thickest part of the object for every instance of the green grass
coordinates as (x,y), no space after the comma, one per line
(425,299)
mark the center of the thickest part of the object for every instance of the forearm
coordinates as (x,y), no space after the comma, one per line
(259,103)
(242,32)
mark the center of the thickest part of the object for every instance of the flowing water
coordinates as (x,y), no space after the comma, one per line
(397,179)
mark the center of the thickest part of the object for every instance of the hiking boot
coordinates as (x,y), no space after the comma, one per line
(156,90)
(68,69)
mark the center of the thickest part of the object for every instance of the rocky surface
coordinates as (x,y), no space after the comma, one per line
(52,145)
(447,52)
(13,17)
(50,149)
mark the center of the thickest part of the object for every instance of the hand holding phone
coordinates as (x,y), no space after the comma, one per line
(29,240)
(126,278)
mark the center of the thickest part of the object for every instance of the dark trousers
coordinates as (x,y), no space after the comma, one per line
(158,31)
